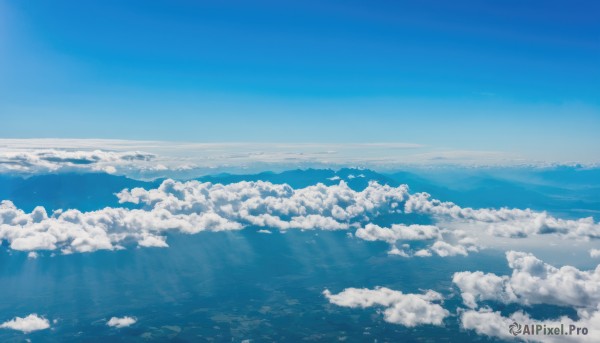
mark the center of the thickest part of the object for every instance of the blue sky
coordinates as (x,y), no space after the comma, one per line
(479,75)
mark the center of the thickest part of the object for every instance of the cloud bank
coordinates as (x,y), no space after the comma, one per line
(192,207)
(405,309)
(55,160)
(152,159)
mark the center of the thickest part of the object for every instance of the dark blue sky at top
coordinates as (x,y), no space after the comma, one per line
(544,50)
(199,60)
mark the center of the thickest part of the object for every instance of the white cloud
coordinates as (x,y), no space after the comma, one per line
(32,322)
(265,231)
(444,249)
(187,159)
(181,159)
(148,240)
(121,322)
(423,253)
(191,207)
(398,252)
(448,242)
(405,309)
(532,282)
(594,253)
(493,324)
(396,232)
(44,160)
(504,222)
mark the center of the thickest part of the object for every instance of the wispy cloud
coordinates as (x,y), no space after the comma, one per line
(173,159)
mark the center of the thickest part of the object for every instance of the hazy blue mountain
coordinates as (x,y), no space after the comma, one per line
(85,192)
(512,188)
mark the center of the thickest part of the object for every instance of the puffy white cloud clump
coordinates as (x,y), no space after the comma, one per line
(397,232)
(32,322)
(270,205)
(405,309)
(504,222)
(192,207)
(458,230)
(443,242)
(493,324)
(75,231)
(532,282)
(121,322)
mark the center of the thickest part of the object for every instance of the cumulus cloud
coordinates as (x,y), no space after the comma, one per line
(398,252)
(444,249)
(75,231)
(458,231)
(121,322)
(594,253)
(191,207)
(504,222)
(32,322)
(447,242)
(532,282)
(265,204)
(396,232)
(405,309)
(494,324)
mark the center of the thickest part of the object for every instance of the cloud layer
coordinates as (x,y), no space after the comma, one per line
(405,309)
(192,207)
(172,159)
(56,160)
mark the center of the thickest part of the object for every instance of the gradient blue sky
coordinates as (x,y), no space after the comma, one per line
(516,76)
